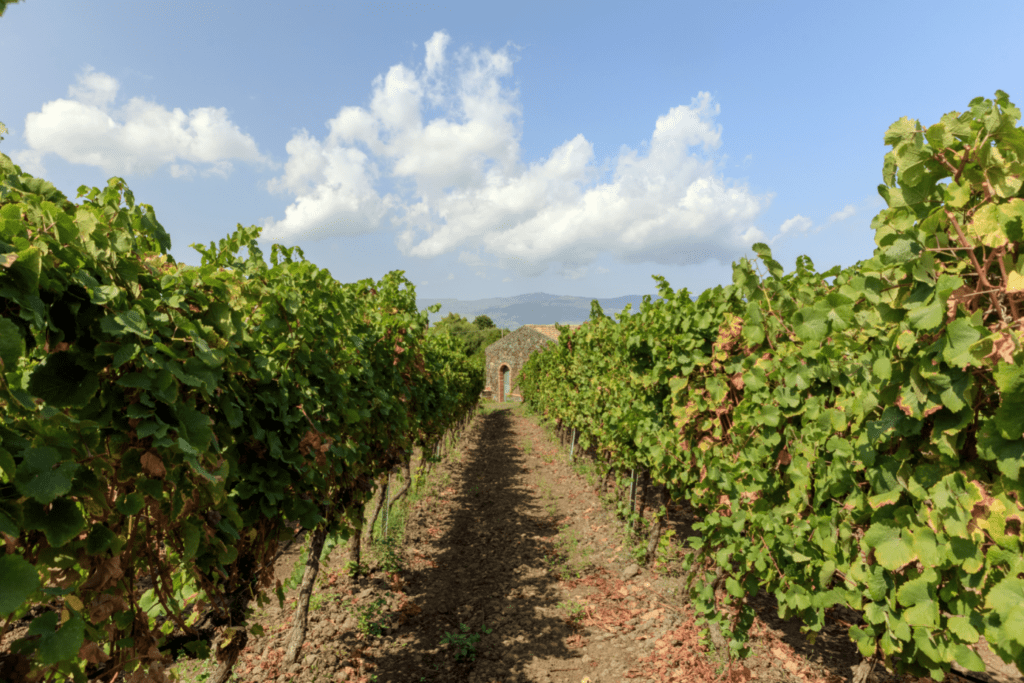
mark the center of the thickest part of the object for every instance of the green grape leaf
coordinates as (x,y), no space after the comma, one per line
(927,317)
(57,644)
(42,476)
(1010,380)
(753,325)
(193,461)
(882,368)
(195,427)
(60,522)
(1005,594)
(960,335)
(967,658)
(8,525)
(811,324)
(19,579)
(12,345)
(62,382)
(918,596)
(130,504)
(892,550)
(99,540)
(962,628)
(126,353)
(1008,453)
(192,534)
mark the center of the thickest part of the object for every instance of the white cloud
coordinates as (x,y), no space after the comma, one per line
(473,260)
(451,276)
(460,184)
(138,138)
(797,223)
(94,89)
(435,51)
(843,214)
(334,188)
(801,225)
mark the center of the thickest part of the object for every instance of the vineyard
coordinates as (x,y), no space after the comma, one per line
(163,427)
(854,444)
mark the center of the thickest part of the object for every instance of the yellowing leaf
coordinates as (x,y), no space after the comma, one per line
(1014,282)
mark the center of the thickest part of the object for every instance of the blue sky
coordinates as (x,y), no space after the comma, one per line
(495,149)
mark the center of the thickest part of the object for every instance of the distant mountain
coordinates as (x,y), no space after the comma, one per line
(530,309)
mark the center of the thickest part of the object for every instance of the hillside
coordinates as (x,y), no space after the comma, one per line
(530,309)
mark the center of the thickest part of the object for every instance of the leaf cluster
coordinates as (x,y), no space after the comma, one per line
(857,443)
(163,425)
(472,338)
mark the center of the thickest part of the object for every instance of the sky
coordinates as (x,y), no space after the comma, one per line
(497,149)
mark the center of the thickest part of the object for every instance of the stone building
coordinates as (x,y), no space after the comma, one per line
(506,357)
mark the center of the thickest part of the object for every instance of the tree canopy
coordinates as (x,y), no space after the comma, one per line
(472,337)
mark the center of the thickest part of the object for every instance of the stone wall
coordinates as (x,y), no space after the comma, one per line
(513,350)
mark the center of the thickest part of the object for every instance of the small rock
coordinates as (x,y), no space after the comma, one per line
(631,571)
(310,660)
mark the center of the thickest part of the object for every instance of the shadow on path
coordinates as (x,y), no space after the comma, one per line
(479,554)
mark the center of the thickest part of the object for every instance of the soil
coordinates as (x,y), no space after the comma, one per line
(513,546)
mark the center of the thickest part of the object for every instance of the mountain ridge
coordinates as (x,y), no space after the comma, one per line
(537,308)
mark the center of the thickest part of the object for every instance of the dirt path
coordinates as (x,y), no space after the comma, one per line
(512,570)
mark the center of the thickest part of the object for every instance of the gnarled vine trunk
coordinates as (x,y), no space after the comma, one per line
(298,634)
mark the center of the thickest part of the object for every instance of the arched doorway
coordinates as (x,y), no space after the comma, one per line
(504,382)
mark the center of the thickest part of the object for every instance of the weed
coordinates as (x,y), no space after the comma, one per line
(638,552)
(371,620)
(464,642)
(575,610)
(317,600)
(354,569)
(390,559)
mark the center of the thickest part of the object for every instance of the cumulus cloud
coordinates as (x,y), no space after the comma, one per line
(796,224)
(846,212)
(801,224)
(435,50)
(138,138)
(456,181)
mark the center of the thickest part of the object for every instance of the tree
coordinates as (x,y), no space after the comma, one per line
(472,337)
